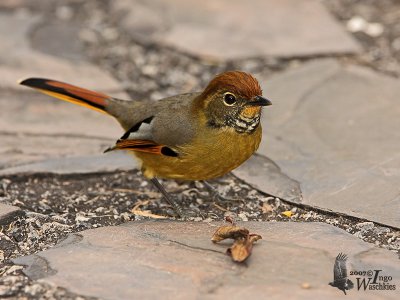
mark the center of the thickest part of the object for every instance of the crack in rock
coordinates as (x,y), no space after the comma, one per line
(278,184)
(195,248)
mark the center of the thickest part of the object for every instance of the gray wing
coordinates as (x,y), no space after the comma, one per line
(166,122)
(174,123)
(340,269)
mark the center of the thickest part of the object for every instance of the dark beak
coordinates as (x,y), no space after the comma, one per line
(259,101)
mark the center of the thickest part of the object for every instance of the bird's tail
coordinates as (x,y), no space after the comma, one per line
(64,91)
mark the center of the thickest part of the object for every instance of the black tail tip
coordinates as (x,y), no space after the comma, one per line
(23,81)
(33,82)
(109,149)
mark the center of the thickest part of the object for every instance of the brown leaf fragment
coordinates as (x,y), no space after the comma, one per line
(144,213)
(147,213)
(254,237)
(240,250)
(229,232)
(229,219)
(242,247)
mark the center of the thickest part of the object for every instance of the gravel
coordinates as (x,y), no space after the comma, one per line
(375,25)
(56,205)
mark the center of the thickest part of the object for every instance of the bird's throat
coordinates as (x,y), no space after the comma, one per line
(242,124)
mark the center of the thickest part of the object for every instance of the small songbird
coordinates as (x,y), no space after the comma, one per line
(193,136)
(340,279)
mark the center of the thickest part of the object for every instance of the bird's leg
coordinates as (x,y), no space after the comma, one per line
(184,214)
(215,195)
(177,208)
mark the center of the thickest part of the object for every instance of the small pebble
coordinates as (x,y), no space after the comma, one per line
(243,216)
(374,29)
(356,24)
(305,285)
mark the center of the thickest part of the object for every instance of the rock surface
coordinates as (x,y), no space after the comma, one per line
(334,130)
(81,164)
(236,29)
(331,140)
(19,60)
(177,260)
(33,126)
(8,213)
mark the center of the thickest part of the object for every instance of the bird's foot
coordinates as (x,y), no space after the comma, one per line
(178,211)
(185,214)
(216,196)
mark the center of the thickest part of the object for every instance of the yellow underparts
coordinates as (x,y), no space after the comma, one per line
(213,153)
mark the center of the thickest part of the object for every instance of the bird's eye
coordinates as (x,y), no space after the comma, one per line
(229,99)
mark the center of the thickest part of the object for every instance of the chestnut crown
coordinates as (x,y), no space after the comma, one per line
(239,83)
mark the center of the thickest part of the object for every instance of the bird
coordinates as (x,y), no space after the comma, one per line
(192,136)
(340,279)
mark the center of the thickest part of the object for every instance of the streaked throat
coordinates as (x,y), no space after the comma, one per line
(242,124)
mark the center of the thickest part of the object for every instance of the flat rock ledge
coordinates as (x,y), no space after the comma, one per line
(177,260)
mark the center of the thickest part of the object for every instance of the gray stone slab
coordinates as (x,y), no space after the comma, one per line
(24,4)
(36,127)
(178,261)
(50,38)
(19,60)
(264,174)
(335,130)
(114,161)
(8,213)
(24,149)
(33,114)
(229,29)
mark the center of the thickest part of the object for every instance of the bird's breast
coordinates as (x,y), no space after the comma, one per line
(212,153)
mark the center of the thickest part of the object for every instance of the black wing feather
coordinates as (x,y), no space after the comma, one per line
(136,127)
(340,269)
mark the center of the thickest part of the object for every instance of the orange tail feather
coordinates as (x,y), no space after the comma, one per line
(68,92)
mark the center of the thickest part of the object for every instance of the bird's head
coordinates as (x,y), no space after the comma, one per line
(233,99)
